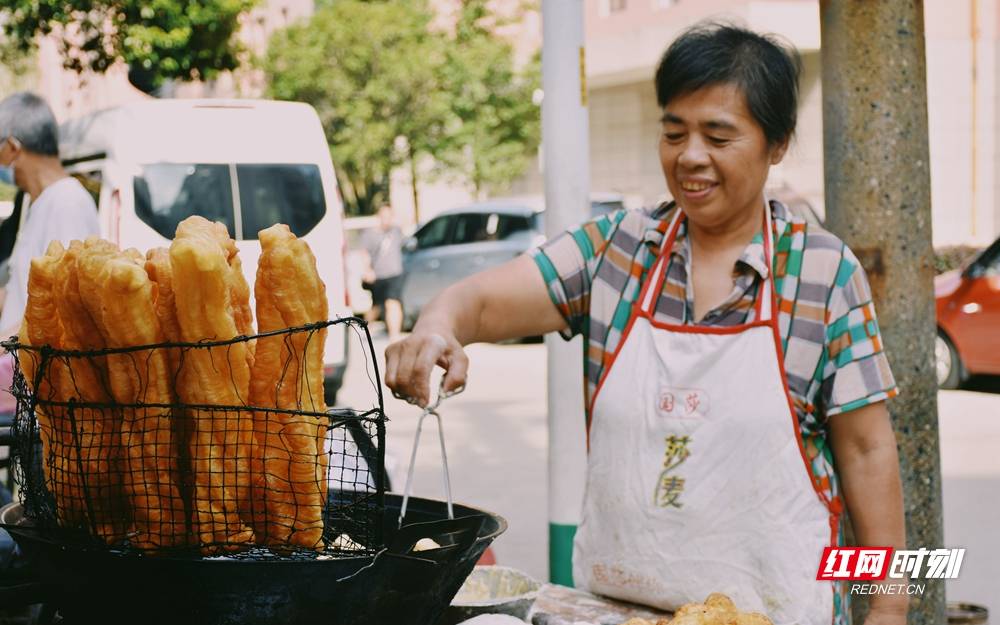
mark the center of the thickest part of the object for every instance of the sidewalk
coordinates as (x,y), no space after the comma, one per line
(970,467)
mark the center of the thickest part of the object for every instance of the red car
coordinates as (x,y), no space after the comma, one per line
(968,320)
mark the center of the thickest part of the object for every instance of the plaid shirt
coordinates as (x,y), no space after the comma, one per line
(833,355)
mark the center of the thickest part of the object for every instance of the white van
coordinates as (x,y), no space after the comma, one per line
(246,163)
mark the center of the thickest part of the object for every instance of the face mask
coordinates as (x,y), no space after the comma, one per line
(7,171)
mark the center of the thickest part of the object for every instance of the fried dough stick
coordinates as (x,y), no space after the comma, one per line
(158,269)
(42,327)
(236,283)
(288,374)
(218,376)
(126,317)
(237,306)
(96,431)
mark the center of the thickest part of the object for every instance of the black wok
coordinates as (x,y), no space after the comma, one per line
(395,586)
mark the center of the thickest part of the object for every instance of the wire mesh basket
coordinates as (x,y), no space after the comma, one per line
(216,448)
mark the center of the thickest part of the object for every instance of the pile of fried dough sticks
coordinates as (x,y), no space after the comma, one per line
(163,449)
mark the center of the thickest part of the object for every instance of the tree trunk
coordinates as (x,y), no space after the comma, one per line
(414,182)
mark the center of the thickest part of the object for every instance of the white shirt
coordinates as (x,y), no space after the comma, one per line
(63,211)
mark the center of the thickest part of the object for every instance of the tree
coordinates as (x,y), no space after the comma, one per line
(371,71)
(498,126)
(390,89)
(159,40)
(17,66)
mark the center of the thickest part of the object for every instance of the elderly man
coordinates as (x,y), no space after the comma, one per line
(60,209)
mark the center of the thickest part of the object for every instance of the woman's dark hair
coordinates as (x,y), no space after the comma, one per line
(763,68)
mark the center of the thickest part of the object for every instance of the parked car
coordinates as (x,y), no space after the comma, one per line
(968,319)
(246,163)
(466,240)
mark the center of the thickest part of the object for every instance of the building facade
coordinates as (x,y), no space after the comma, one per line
(625,39)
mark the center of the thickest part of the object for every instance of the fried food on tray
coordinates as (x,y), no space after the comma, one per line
(219,376)
(718,609)
(288,374)
(87,381)
(124,312)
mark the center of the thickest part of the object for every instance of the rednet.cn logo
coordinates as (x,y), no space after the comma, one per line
(879,564)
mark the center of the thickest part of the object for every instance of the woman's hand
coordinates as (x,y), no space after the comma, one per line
(505,302)
(409,362)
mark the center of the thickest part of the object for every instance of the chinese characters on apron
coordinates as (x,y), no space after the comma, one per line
(697,481)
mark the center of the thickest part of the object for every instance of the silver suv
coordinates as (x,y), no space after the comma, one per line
(463,241)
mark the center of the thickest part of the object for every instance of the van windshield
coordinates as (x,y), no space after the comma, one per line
(168,193)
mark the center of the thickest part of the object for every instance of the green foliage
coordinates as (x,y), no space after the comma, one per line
(499,126)
(389,88)
(159,39)
(7,192)
(370,71)
(17,67)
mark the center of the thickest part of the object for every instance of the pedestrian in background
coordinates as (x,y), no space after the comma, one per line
(384,275)
(60,209)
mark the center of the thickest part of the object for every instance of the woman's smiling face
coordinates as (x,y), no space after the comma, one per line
(715,156)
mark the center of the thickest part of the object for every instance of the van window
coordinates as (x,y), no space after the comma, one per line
(168,193)
(288,194)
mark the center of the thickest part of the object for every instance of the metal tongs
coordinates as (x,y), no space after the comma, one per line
(431,409)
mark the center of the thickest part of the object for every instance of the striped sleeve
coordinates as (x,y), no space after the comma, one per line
(856,371)
(568,263)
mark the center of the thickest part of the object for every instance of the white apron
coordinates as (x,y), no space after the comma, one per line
(697,481)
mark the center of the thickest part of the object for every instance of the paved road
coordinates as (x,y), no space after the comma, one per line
(497,439)
(970,467)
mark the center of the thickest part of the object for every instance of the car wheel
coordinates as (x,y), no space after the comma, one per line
(947,363)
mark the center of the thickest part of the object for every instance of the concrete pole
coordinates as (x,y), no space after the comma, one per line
(878,200)
(566,161)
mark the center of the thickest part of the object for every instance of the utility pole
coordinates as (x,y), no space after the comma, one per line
(566,162)
(877,174)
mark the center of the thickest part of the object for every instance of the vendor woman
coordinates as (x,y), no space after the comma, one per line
(736,379)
